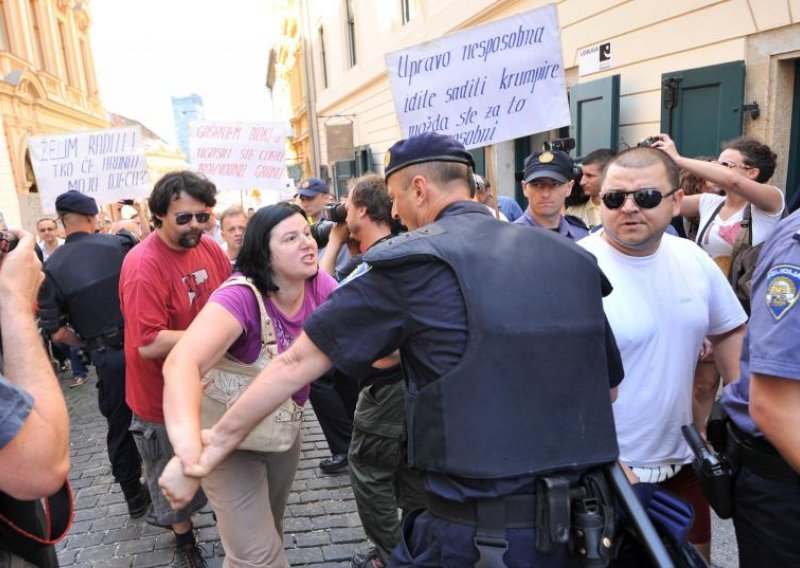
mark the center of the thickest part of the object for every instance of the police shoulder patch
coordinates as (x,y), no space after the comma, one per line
(360,270)
(783,281)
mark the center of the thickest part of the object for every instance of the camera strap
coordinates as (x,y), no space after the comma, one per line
(59,510)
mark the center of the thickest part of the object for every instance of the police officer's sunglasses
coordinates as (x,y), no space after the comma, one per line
(185,218)
(646,198)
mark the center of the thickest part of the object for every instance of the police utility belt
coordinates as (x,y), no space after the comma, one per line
(112,339)
(758,455)
(568,515)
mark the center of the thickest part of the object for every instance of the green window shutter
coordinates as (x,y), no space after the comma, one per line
(479,155)
(702,108)
(594,110)
(343,172)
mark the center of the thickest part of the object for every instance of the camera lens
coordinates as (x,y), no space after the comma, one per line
(336,212)
(321,232)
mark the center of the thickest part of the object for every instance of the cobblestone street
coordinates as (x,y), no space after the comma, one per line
(321,527)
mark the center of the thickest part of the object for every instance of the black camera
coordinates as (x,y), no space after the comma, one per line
(335,212)
(332,213)
(8,241)
(649,141)
(321,232)
(563,144)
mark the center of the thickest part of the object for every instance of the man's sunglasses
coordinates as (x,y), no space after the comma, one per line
(185,218)
(646,198)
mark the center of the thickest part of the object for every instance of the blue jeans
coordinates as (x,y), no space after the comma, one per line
(76,361)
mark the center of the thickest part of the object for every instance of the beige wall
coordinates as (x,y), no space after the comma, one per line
(649,37)
(47,85)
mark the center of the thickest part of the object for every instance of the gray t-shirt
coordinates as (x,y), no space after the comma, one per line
(15,406)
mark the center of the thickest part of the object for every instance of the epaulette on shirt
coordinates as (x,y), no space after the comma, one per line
(576,222)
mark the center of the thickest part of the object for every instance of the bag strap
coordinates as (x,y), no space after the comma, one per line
(744,239)
(59,510)
(702,233)
(266,322)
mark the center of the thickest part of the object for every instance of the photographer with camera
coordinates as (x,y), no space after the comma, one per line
(548,180)
(592,167)
(34,425)
(380,477)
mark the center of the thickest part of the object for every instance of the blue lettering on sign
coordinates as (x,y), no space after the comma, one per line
(495,44)
(529,76)
(407,67)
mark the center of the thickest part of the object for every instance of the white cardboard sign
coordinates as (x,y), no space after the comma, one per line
(107,165)
(490,83)
(240,156)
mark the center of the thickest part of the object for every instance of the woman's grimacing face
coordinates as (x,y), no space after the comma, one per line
(293,252)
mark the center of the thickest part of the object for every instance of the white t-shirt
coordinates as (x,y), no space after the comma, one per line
(719,238)
(501,216)
(661,308)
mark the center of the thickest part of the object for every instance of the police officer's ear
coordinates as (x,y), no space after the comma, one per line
(419,185)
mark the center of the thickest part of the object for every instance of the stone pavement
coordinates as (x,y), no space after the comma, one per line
(322,527)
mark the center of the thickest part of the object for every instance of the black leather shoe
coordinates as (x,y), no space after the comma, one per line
(139,503)
(334,464)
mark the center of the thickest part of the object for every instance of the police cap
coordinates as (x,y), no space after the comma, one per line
(76,202)
(312,187)
(427,147)
(551,164)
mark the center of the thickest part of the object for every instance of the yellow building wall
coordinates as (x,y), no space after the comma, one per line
(649,37)
(47,85)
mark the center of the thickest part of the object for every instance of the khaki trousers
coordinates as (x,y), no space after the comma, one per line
(248,492)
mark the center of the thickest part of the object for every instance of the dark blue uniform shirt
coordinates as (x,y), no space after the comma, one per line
(770,346)
(417,305)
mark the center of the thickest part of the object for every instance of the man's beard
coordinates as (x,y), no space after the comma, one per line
(190,240)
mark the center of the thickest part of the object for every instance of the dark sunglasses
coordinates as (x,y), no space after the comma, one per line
(646,198)
(185,218)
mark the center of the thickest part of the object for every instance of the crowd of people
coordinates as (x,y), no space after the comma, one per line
(479,402)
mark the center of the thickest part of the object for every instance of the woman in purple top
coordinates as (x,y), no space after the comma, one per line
(249,490)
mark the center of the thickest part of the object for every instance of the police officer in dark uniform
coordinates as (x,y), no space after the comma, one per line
(764,410)
(508,361)
(79,304)
(547,182)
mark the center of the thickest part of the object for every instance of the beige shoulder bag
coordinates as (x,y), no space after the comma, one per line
(226,380)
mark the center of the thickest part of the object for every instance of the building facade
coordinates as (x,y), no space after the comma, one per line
(702,70)
(184,110)
(291,93)
(47,85)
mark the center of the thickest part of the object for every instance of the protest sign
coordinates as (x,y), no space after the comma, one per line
(240,156)
(493,82)
(107,165)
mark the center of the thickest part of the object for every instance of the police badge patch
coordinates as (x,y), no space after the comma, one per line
(782,284)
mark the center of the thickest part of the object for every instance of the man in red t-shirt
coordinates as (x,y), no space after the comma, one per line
(165,282)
